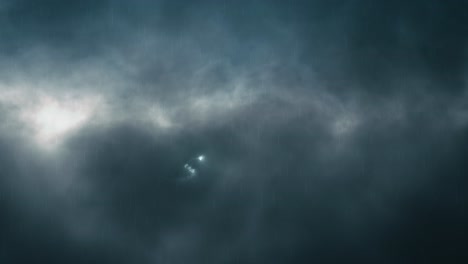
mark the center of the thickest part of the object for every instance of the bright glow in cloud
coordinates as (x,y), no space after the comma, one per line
(53,119)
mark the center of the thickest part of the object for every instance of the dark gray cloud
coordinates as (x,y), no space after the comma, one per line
(331,131)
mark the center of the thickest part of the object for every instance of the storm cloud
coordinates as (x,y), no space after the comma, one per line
(233,131)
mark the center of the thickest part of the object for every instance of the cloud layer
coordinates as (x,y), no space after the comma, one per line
(332,131)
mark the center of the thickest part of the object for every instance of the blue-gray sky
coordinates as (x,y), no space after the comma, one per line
(330,131)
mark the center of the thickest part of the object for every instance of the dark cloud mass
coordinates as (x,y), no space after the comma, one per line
(233,131)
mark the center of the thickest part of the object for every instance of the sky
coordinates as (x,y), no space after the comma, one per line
(224,132)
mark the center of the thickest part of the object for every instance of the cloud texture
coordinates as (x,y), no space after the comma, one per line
(331,131)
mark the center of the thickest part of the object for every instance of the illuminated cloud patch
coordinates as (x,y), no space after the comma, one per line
(53,120)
